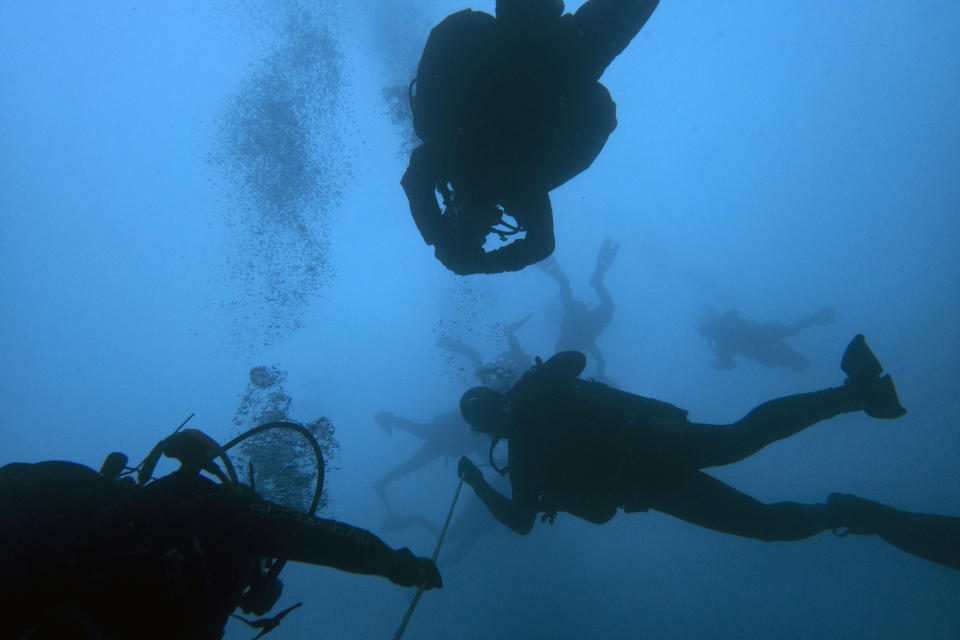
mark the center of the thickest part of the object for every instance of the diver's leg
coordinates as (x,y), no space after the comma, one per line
(606,27)
(423,456)
(419,429)
(929,536)
(707,502)
(702,445)
(455,345)
(821,318)
(552,268)
(705,446)
(601,316)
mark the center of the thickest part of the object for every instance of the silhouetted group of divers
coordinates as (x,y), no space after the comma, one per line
(508,107)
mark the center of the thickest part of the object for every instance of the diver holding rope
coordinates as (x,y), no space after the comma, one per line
(590,450)
(99,555)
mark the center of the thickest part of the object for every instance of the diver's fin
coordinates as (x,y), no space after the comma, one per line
(858,360)
(863,369)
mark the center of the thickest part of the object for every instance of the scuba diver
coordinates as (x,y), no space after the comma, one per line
(508,109)
(581,326)
(502,371)
(98,555)
(730,335)
(587,449)
(446,436)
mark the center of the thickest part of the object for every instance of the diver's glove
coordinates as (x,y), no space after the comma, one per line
(411,571)
(469,472)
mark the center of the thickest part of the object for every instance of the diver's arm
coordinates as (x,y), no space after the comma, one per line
(419,429)
(534,215)
(296,536)
(467,260)
(552,269)
(516,351)
(498,504)
(933,537)
(419,183)
(606,27)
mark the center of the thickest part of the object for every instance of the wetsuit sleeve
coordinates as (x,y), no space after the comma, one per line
(520,520)
(285,533)
(606,27)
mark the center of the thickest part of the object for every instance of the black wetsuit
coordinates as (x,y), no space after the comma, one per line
(507,112)
(85,555)
(588,449)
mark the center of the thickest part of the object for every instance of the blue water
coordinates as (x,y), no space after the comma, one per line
(188,192)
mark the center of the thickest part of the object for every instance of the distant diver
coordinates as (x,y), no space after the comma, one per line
(508,109)
(581,325)
(445,436)
(587,449)
(503,370)
(730,335)
(91,555)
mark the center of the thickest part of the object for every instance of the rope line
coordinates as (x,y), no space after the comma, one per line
(436,553)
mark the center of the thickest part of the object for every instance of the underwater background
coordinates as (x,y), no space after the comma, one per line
(191,190)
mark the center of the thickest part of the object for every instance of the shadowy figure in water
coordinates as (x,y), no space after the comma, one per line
(587,449)
(97,555)
(581,326)
(730,335)
(446,436)
(464,532)
(502,371)
(510,108)
(932,537)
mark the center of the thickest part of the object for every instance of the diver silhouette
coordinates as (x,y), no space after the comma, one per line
(508,109)
(96,555)
(587,449)
(581,326)
(730,335)
(503,370)
(445,436)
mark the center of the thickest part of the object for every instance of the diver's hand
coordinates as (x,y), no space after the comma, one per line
(469,472)
(411,571)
